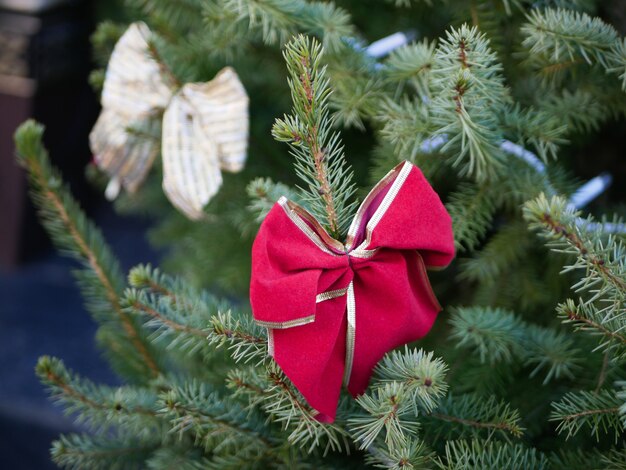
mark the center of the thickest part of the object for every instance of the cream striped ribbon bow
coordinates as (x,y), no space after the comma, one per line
(204,128)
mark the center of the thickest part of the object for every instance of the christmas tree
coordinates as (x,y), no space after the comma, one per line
(487,102)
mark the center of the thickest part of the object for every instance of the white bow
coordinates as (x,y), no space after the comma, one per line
(205,126)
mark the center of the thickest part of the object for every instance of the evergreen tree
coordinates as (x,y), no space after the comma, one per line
(485,107)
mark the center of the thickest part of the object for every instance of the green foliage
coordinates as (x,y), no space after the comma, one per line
(595,411)
(100,278)
(500,336)
(506,379)
(461,455)
(100,452)
(320,161)
(599,257)
(564,38)
(467,88)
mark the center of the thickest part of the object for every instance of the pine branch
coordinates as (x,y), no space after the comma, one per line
(500,336)
(566,105)
(553,350)
(471,208)
(102,408)
(597,411)
(558,34)
(469,455)
(504,250)
(412,65)
(495,334)
(101,280)
(220,425)
(537,128)
(406,125)
(413,455)
(585,317)
(318,151)
(468,92)
(264,193)
(274,21)
(406,384)
(287,407)
(602,260)
(195,321)
(421,374)
(473,414)
(386,409)
(82,451)
(272,392)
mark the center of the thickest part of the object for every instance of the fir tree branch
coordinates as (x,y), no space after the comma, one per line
(101,407)
(183,319)
(76,235)
(320,161)
(602,259)
(559,34)
(386,408)
(498,426)
(469,455)
(598,411)
(468,90)
(571,313)
(101,452)
(221,424)
(458,416)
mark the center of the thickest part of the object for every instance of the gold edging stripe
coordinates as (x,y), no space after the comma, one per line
(364,254)
(301,224)
(286,324)
(386,202)
(331,294)
(270,342)
(350,334)
(356,222)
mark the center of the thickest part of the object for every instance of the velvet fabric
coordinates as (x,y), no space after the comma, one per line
(401,228)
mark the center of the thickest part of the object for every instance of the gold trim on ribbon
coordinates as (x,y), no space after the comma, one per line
(331,294)
(295,213)
(382,184)
(286,324)
(350,334)
(270,342)
(384,205)
(364,254)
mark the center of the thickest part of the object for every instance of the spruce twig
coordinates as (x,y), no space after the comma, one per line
(77,236)
(318,151)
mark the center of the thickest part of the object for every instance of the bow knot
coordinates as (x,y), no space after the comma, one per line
(332,310)
(204,126)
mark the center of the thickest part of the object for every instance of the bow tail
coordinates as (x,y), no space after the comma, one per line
(191,173)
(313,356)
(395,305)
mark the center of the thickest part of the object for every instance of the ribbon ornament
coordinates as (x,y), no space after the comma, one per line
(332,310)
(204,126)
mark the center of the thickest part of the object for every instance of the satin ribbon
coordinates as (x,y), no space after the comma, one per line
(204,126)
(332,310)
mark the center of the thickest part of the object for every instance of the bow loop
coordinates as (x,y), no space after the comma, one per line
(133,84)
(285,287)
(221,106)
(401,213)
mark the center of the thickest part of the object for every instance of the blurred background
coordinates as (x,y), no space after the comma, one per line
(45,60)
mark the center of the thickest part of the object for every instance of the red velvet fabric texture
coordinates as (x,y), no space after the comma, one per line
(405,224)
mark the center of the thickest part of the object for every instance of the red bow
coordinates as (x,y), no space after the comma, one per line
(332,311)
